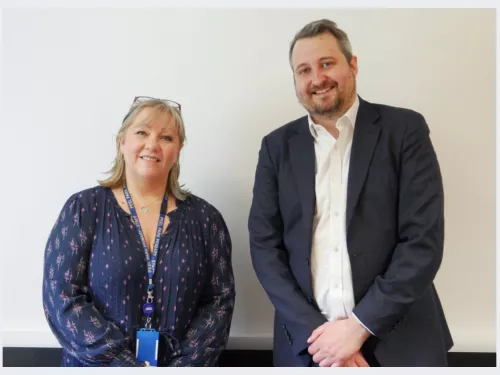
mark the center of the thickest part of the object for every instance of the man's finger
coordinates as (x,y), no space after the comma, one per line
(313,348)
(338,364)
(319,356)
(339,358)
(360,360)
(350,363)
(327,362)
(315,334)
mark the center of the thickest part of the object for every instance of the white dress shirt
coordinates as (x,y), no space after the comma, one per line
(330,264)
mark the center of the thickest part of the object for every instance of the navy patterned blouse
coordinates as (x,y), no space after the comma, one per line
(95,283)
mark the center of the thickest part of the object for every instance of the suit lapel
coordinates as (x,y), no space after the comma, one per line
(302,157)
(303,167)
(366,133)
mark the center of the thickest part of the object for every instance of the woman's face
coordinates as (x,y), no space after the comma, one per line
(151,145)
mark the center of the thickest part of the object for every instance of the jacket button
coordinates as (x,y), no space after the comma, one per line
(309,299)
(308,262)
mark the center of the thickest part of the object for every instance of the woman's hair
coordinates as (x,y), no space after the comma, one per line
(117,172)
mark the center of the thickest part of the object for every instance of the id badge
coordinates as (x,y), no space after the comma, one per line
(147,346)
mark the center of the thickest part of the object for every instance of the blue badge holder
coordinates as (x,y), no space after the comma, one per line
(147,345)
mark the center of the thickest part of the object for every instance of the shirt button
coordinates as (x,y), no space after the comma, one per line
(336,214)
(336,249)
(335,286)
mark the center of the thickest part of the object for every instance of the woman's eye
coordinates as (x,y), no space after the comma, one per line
(141,132)
(167,138)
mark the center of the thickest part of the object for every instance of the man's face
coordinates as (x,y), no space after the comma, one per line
(325,82)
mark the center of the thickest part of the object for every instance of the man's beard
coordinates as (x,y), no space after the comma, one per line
(327,110)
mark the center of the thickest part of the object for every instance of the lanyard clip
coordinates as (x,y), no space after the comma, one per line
(149,299)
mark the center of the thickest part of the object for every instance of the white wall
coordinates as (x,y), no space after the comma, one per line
(70,75)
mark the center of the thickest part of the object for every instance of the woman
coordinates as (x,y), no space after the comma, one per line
(106,278)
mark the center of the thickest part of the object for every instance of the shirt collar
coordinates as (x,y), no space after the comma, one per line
(349,118)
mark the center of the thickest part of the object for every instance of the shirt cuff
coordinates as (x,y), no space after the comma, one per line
(360,322)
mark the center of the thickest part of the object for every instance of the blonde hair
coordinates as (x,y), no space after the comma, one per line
(117,171)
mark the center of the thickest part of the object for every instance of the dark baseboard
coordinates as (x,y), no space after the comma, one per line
(51,357)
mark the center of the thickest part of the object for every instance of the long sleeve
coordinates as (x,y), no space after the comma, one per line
(418,254)
(70,312)
(271,260)
(207,334)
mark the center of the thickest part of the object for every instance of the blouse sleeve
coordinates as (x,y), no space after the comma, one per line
(70,312)
(207,334)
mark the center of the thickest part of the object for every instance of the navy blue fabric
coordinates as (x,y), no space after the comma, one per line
(395,236)
(95,283)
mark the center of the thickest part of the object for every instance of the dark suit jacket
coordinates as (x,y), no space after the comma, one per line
(395,232)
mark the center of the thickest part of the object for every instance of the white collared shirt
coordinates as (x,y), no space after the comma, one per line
(330,264)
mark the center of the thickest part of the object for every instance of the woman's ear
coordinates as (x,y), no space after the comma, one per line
(122,143)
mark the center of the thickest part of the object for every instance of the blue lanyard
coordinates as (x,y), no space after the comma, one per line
(151,262)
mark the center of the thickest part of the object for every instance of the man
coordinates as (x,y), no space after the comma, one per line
(346,224)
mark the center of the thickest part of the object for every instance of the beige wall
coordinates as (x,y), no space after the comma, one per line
(70,75)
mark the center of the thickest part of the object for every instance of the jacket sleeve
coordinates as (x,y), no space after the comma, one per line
(419,251)
(270,258)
